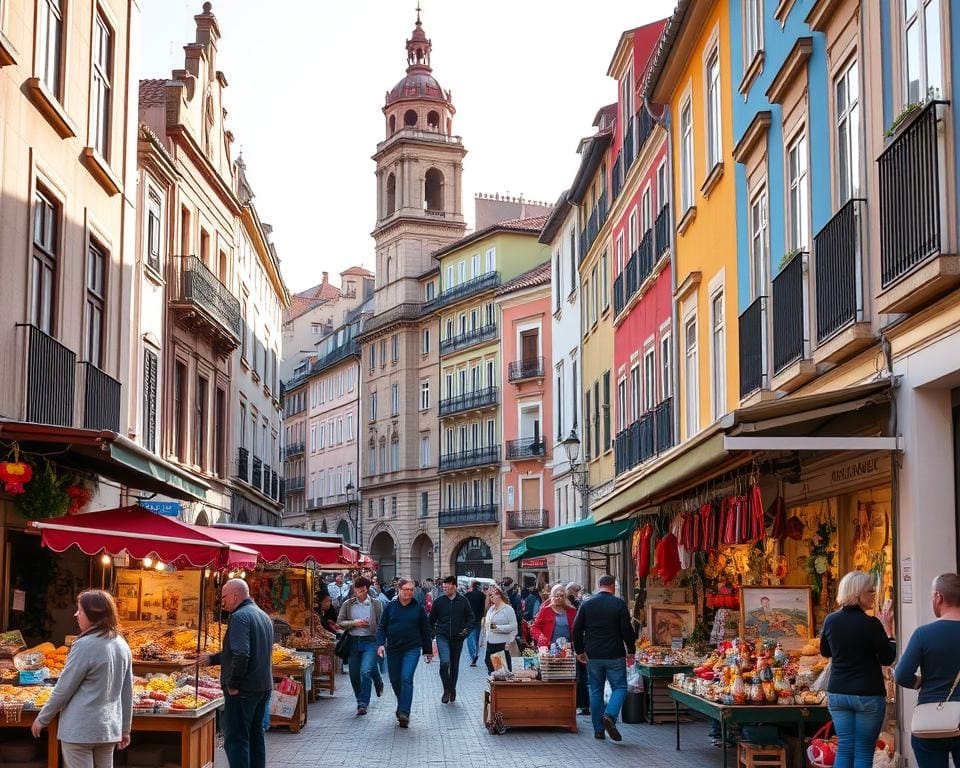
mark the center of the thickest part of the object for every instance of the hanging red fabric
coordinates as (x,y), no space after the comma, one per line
(757,527)
(641,551)
(778,513)
(710,526)
(668,558)
(728,519)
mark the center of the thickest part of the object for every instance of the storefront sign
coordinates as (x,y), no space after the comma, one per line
(838,474)
(853,470)
(165,508)
(534,563)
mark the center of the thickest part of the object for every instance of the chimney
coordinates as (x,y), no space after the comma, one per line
(326,278)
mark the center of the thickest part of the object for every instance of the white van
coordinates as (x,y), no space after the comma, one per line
(463,582)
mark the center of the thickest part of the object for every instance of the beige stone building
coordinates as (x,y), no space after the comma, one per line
(419,210)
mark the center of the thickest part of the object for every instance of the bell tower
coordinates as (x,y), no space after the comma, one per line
(419,171)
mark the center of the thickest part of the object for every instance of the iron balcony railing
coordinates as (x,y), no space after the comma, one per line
(51,379)
(838,257)
(526,447)
(243,464)
(645,257)
(753,347)
(630,270)
(584,246)
(647,437)
(265,485)
(200,287)
(274,485)
(256,478)
(336,355)
(617,176)
(484,514)
(520,370)
(663,425)
(468,338)
(294,483)
(528,520)
(662,228)
(463,290)
(294,449)
(629,154)
(602,209)
(644,128)
(618,295)
(476,457)
(910,194)
(479,398)
(789,314)
(101,399)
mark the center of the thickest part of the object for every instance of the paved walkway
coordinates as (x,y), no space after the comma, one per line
(453,735)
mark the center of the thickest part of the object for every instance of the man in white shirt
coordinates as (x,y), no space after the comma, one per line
(337,590)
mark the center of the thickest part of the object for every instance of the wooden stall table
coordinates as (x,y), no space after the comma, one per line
(26,720)
(323,658)
(196,728)
(300,673)
(728,714)
(530,703)
(651,673)
(144,668)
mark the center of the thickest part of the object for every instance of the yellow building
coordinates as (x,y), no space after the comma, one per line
(471,270)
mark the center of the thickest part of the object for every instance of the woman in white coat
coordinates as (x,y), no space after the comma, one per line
(501,625)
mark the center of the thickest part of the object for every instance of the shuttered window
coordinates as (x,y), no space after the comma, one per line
(149,400)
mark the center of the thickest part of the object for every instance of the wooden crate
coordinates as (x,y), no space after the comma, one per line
(531,703)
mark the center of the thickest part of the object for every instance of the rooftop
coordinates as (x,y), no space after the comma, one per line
(539,275)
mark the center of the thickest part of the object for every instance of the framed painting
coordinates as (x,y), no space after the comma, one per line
(777,613)
(665,621)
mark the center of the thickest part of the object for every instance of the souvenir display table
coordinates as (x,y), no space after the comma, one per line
(301,673)
(798,715)
(657,676)
(530,703)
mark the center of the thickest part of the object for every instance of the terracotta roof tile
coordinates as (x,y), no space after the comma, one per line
(539,275)
(153,93)
(360,271)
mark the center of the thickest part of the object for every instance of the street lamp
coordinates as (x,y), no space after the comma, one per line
(581,482)
(353,512)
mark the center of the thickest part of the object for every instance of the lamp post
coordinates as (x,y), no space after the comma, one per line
(353,512)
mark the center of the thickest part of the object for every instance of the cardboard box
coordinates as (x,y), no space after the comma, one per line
(286,695)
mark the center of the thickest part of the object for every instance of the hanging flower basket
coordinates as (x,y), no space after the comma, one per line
(45,495)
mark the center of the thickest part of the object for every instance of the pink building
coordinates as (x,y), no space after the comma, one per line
(525,343)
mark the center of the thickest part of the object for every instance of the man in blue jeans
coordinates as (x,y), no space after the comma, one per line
(246,675)
(602,638)
(360,616)
(405,632)
(451,620)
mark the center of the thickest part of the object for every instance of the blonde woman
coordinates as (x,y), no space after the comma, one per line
(501,623)
(858,647)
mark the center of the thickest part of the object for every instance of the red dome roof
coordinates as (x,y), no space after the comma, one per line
(416,85)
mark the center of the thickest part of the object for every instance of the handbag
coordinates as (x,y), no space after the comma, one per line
(343,645)
(937,720)
(822,752)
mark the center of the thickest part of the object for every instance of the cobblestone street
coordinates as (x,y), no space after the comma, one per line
(453,735)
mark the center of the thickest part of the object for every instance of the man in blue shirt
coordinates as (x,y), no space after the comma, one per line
(405,632)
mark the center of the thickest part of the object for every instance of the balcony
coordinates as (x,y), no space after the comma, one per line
(101,399)
(630,270)
(617,178)
(629,154)
(663,425)
(294,449)
(51,376)
(644,128)
(527,448)
(464,290)
(480,398)
(293,484)
(522,370)
(205,305)
(791,342)
(839,255)
(618,295)
(274,485)
(243,464)
(753,348)
(662,229)
(485,514)
(476,457)
(528,520)
(256,477)
(468,339)
(645,257)
(915,266)
(647,437)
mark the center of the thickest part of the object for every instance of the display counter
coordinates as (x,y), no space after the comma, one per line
(302,674)
(798,715)
(195,730)
(530,703)
(656,679)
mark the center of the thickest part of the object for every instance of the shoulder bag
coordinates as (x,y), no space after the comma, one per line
(938,720)
(342,647)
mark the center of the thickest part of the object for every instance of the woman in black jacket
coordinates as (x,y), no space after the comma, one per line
(858,646)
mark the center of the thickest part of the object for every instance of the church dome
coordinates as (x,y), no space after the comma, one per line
(416,85)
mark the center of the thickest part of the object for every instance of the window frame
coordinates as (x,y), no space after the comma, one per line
(101,84)
(685,125)
(45,57)
(847,133)
(45,260)
(713,105)
(718,347)
(691,354)
(95,303)
(919,17)
(798,191)
(759,235)
(752,30)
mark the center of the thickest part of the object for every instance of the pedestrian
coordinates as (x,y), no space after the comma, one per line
(478,604)
(933,651)
(501,626)
(391,591)
(360,615)
(574,592)
(94,694)
(246,675)
(554,619)
(451,620)
(858,646)
(602,638)
(513,597)
(327,614)
(405,632)
(335,588)
(574,595)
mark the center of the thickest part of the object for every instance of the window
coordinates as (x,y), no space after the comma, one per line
(753,29)
(424,451)
(425,342)
(574,392)
(646,211)
(373,356)
(424,395)
(718,394)
(636,399)
(100,87)
(220,433)
(714,140)
(149,428)
(394,399)
(383,457)
(558,279)
(394,455)
(430,290)
(686,157)
(395,347)
(621,405)
(559,401)
(491,373)
(634,232)
(200,427)
(46,247)
(491,260)
(923,56)
(373,406)
(383,506)
(799,209)
(618,254)
(573,260)
(847,94)
(49,43)
(606,410)
(666,373)
(372,459)
(594,305)
(587,428)
(662,188)
(690,373)
(605,279)
(383,353)
(649,381)
(349,427)
(95,304)
(626,98)
(316,329)
(424,503)
(758,244)
(154,215)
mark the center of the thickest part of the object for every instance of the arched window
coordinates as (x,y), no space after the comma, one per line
(410,118)
(433,120)
(433,190)
(474,558)
(392,123)
(391,194)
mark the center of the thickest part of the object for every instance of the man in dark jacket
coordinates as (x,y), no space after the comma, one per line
(602,637)
(405,632)
(246,675)
(451,620)
(478,604)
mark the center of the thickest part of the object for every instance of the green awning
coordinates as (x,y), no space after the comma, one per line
(172,481)
(580,535)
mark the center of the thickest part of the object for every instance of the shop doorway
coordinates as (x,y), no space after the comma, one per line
(421,558)
(343,528)
(384,551)
(474,558)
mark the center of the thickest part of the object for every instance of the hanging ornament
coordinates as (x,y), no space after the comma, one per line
(79,497)
(15,474)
